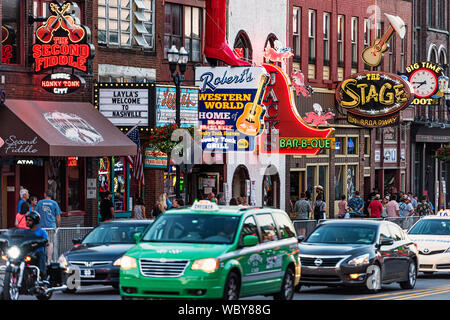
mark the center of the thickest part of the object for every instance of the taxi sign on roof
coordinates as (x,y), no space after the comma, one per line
(205,205)
(444,213)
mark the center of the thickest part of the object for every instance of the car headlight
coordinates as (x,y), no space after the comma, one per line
(127,263)
(360,260)
(117,262)
(63,261)
(13,252)
(207,265)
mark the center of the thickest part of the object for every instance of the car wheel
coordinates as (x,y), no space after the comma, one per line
(287,287)
(232,287)
(373,282)
(412,276)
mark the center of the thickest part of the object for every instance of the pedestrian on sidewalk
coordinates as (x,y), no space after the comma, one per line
(375,207)
(423,208)
(384,203)
(24,196)
(139,209)
(49,211)
(343,208)
(33,203)
(413,201)
(106,207)
(392,208)
(160,206)
(406,208)
(356,204)
(319,208)
(302,208)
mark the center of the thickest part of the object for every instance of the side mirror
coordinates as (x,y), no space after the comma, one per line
(76,241)
(250,241)
(137,237)
(387,242)
(300,238)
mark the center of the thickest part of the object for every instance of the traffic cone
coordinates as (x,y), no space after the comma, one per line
(216,47)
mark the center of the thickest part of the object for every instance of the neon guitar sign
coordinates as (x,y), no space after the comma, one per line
(61,41)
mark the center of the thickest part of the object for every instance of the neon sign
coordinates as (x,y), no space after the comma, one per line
(7,45)
(428,81)
(61,41)
(285,131)
(62,83)
(373,99)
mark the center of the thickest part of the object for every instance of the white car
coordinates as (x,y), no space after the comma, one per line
(432,237)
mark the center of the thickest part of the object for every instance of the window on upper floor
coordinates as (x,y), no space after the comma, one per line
(243,47)
(312,36)
(392,54)
(340,39)
(354,40)
(296,30)
(182,28)
(326,38)
(126,23)
(366,37)
(11,35)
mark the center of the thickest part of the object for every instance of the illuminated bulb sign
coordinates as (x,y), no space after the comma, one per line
(8,50)
(373,99)
(61,41)
(285,131)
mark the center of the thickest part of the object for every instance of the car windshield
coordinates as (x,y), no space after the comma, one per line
(432,226)
(340,234)
(113,233)
(193,228)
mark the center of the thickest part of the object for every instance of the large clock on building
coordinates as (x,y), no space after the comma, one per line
(424,82)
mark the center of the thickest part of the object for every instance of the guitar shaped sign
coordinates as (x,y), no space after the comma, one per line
(249,122)
(372,55)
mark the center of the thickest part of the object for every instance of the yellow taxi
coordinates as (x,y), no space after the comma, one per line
(432,237)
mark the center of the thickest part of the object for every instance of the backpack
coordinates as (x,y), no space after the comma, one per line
(318,213)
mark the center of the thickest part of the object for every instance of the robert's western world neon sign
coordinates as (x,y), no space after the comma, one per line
(62,42)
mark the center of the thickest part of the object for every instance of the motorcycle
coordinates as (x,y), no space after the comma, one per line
(21,272)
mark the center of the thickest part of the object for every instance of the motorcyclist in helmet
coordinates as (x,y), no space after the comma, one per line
(33,218)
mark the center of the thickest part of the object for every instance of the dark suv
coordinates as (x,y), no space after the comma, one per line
(358,252)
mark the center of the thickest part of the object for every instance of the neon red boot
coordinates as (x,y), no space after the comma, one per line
(216,47)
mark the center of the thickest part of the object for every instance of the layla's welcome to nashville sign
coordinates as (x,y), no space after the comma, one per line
(373,99)
(61,41)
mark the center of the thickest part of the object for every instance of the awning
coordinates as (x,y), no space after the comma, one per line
(56,128)
(433,135)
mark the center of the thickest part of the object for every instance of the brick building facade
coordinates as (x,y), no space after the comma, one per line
(328,38)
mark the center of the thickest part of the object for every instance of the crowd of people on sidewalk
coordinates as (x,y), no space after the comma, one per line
(392,204)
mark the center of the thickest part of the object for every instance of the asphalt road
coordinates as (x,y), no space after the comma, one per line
(434,287)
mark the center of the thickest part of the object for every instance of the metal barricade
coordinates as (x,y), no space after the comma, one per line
(61,238)
(304,227)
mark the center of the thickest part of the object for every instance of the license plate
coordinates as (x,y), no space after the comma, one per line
(87,273)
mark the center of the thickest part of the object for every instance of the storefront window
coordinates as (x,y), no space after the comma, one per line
(310,180)
(323,180)
(11,22)
(120,183)
(338,182)
(56,177)
(352,145)
(339,145)
(351,181)
(104,176)
(75,174)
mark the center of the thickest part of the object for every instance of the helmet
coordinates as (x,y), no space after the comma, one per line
(36,217)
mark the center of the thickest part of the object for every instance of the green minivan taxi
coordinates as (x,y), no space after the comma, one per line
(211,252)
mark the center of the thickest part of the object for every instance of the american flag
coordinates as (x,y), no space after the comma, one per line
(136,161)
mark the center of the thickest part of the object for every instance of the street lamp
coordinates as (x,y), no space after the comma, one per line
(180,59)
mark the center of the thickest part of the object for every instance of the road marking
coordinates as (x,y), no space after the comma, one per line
(419,295)
(398,293)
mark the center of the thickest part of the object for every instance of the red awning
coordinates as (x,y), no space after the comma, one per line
(55,128)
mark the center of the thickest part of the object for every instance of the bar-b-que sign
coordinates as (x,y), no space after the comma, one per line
(373,99)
